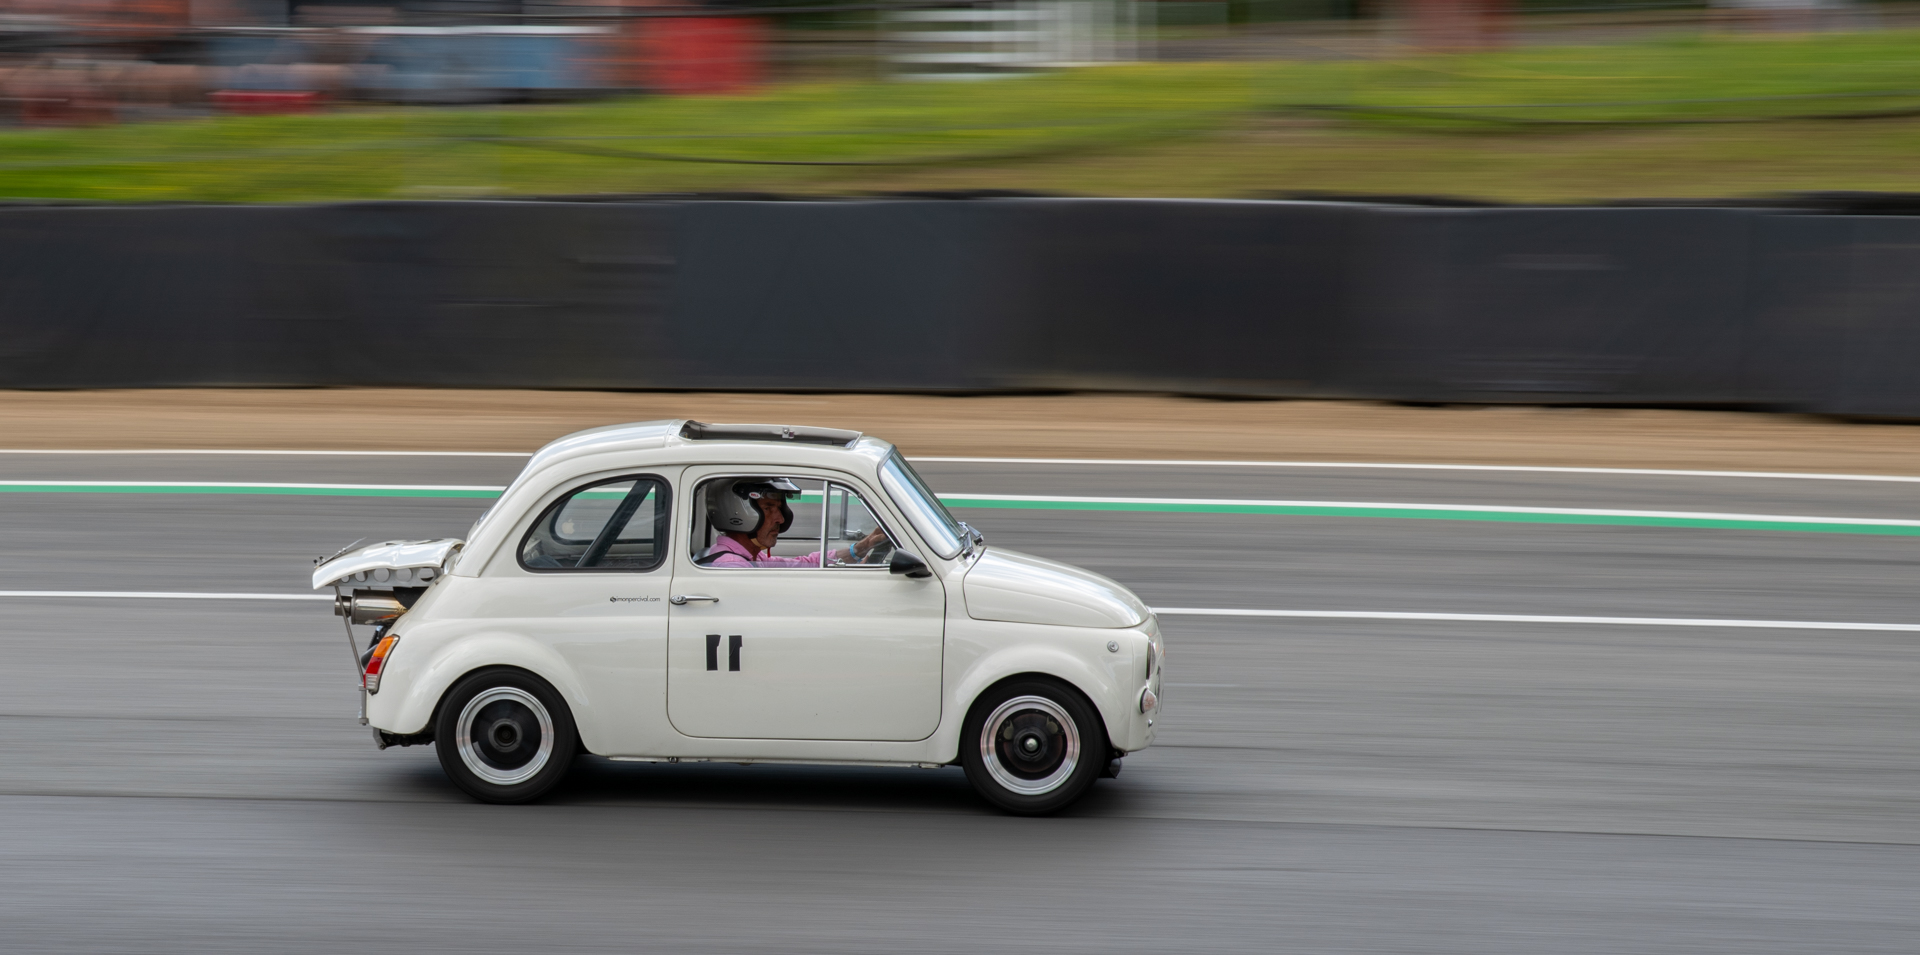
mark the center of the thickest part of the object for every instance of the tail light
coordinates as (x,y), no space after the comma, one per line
(377,661)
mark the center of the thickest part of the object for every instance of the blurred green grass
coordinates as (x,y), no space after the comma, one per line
(1144,129)
(1678,78)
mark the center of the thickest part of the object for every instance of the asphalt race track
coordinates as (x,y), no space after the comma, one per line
(187,775)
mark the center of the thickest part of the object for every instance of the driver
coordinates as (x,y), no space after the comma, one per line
(752,513)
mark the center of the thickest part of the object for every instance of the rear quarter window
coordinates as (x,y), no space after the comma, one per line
(614,524)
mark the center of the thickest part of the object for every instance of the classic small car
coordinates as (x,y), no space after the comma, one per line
(673,591)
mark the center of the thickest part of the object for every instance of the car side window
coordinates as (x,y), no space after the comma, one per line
(615,524)
(830,525)
(798,544)
(855,537)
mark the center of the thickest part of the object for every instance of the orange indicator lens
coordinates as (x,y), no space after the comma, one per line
(378,662)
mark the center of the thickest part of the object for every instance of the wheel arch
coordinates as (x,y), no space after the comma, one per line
(1087,682)
(437,676)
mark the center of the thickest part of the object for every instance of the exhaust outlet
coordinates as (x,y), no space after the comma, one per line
(369,606)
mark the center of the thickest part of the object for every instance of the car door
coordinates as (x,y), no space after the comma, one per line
(589,577)
(825,651)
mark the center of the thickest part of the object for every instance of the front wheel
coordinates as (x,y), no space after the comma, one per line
(504,736)
(1032,746)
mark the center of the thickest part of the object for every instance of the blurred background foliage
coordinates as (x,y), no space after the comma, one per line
(1685,113)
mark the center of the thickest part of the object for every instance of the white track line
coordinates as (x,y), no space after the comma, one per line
(1539,618)
(1655,472)
(158,595)
(1169,612)
(1127,462)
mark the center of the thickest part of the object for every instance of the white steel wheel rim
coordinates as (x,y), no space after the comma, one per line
(991,735)
(470,750)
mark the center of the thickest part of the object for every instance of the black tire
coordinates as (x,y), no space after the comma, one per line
(518,740)
(1033,745)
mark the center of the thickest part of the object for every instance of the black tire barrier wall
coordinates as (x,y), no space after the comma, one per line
(1609,305)
(454,294)
(1654,306)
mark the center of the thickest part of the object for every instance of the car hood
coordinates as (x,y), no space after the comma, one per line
(1021,588)
(386,555)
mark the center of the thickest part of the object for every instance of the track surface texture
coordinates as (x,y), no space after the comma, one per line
(187,776)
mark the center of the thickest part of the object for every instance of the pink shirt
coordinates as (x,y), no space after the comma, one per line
(735,554)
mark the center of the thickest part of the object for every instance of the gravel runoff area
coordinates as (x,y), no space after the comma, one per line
(1071,425)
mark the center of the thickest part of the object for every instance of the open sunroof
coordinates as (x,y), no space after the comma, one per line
(701,431)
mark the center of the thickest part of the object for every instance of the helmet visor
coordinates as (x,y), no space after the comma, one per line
(779,488)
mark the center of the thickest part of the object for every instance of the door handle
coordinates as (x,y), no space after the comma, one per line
(680,600)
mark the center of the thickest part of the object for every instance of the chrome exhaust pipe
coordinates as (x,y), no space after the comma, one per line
(368,606)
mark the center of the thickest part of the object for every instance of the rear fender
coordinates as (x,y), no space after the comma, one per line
(427,681)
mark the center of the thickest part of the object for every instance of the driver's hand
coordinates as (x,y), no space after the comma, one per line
(865,547)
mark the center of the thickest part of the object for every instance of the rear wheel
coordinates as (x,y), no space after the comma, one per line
(504,736)
(1032,746)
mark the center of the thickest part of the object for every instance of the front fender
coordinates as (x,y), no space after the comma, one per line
(1075,655)
(417,683)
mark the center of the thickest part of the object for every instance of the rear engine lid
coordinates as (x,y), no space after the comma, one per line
(418,560)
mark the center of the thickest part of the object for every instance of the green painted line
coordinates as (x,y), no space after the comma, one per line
(1508,517)
(1492,515)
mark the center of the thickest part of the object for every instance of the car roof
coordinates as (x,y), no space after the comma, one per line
(651,435)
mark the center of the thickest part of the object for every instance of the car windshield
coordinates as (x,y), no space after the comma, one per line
(928,515)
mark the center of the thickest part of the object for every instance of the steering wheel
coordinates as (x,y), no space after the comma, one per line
(879,553)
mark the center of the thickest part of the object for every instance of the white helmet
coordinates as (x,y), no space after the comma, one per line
(734,505)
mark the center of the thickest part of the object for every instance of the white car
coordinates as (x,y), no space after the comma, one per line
(840,615)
